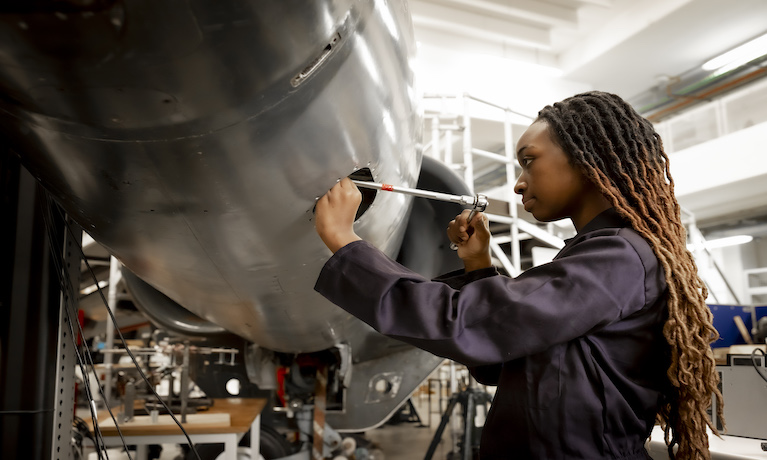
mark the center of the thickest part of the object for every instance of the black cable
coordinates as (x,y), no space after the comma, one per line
(127,350)
(66,288)
(754,363)
(83,427)
(101,391)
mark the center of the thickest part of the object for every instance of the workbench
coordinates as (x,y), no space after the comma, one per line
(226,421)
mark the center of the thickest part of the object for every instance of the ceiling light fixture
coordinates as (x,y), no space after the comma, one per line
(724,242)
(743,54)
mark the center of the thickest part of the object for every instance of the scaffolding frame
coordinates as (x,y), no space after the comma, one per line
(444,126)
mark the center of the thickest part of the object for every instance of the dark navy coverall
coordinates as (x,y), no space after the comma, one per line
(575,346)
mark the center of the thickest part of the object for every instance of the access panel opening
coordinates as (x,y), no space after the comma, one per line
(368,194)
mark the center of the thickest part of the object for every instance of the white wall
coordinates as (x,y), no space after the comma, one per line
(724,176)
(733,261)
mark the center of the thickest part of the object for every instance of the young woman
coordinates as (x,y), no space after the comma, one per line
(587,350)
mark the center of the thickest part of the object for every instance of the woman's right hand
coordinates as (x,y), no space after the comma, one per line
(334,214)
(472,239)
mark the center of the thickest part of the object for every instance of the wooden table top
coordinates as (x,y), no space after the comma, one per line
(242,412)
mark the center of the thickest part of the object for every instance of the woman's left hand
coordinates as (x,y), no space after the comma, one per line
(334,214)
(472,238)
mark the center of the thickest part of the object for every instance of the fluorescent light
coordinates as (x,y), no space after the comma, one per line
(743,54)
(724,242)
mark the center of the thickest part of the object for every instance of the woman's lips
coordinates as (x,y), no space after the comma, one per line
(528,203)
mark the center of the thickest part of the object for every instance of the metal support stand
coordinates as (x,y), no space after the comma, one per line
(470,399)
(439,399)
(37,355)
(318,445)
(114,278)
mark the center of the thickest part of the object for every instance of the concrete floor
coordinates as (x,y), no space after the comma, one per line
(410,441)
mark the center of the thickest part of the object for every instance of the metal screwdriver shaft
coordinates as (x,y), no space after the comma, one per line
(478,202)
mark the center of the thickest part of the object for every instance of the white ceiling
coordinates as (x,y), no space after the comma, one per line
(621,46)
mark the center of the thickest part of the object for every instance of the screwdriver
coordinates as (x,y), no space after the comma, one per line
(478,202)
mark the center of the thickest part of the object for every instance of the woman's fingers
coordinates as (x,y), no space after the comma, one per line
(335,212)
(459,230)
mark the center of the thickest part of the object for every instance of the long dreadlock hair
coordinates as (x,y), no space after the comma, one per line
(619,151)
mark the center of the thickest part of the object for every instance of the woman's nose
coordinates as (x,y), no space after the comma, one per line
(521,185)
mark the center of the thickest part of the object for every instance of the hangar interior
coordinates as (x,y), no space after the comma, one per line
(174,261)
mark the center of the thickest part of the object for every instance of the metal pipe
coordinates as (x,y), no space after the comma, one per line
(531,229)
(490,155)
(478,201)
(184,390)
(468,160)
(114,278)
(508,147)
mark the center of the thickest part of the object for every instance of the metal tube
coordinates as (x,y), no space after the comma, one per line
(466,200)
(508,141)
(490,155)
(468,160)
(184,390)
(114,278)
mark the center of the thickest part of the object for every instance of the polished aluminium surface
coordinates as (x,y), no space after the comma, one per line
(192,139)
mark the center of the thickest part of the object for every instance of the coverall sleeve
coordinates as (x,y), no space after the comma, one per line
(493,319)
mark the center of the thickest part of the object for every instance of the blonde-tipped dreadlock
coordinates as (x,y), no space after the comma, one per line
(620,152)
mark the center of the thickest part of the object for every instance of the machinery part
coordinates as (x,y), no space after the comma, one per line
(348,446)
(743,390)
(344,352)
(261,367)
(164,312)
(127,402)
(425,247)
(367,407)
(325,440)
(319,429)
(155,124)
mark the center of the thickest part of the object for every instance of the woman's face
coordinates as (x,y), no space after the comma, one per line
(550,186)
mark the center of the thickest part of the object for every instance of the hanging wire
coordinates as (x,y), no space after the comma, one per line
(756,364)
(122,340)
(67,289)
